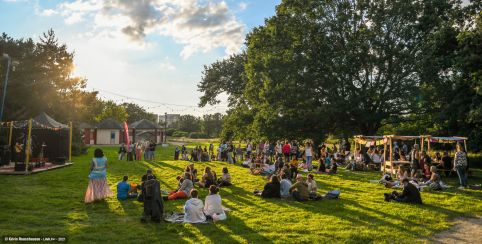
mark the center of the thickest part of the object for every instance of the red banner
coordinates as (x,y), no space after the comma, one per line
(126,129)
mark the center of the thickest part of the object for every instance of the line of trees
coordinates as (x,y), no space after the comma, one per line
(355,67)
(207,126)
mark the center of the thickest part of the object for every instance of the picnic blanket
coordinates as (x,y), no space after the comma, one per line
(178,218)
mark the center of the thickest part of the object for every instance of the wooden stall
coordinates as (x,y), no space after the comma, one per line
(390,165)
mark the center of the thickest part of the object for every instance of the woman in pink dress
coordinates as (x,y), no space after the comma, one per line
(98,188)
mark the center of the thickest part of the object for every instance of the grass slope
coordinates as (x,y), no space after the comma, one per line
(51,204)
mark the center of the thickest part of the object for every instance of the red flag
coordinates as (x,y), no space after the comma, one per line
(126,128)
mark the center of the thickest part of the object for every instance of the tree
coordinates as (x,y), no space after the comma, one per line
(112,110)
(212,124)
(43,80)
(136,113)
(188,123)
(348,65)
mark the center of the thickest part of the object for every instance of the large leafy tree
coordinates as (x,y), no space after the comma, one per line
(136,113)
(338,65)
(43,80)
(112,110)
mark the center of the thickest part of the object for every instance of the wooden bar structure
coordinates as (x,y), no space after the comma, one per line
(389,165)
(363,140)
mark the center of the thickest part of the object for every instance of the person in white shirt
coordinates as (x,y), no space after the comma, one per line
(212,205)
(312,187)
(285,185)
(193,209)
(249,149)
(309,156)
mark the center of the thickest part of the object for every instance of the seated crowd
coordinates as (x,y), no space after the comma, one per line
(282,163)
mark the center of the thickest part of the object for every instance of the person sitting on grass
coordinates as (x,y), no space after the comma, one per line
(153,204)
(299,190)
(328,162)
(213,208)
(312,187)
(193,209)
(410,194)
(294,167)
(426,172)
(225,179)
(271,189)
(124,189)
(321,166)
(208,179)
(285,185)
(257,167)
(434,181)
(333,168)
(148,173)
(278,165)
(184,189)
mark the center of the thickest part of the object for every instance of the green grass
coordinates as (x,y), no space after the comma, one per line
(51,204)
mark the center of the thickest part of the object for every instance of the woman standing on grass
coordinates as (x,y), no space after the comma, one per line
(460,166)
(98,188)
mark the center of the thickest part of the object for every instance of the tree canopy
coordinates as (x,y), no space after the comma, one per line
(349,67)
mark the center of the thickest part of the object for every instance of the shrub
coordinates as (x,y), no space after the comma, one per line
(179,133)
(197,135)
(170,131)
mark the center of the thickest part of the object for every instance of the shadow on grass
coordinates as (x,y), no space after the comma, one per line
(236,226)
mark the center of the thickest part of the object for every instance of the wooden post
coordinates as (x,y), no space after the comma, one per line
(428,145)
(421,143)
(465,145)
(28,146)
(391,155)
(70,142)
(10,134)
(384,156)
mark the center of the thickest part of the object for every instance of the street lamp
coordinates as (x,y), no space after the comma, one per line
(9,63)
(165,127)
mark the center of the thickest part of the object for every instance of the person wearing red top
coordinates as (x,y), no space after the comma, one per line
(286,151)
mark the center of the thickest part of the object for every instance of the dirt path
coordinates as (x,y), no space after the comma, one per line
(465,230)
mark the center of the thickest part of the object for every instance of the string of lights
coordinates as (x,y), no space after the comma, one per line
(158,105)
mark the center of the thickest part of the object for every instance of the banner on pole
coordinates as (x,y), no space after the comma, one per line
(126,129)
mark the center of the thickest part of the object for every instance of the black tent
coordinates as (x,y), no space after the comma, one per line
(46,134)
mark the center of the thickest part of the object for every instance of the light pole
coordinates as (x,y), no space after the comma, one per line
(165,127)
(9,62)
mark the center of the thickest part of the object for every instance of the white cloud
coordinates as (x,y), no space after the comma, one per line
(242,6)
(200,26)
(167,66)
(47,12)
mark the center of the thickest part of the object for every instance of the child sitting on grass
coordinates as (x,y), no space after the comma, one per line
(225,179)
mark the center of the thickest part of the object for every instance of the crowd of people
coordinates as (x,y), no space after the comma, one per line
(140,150)
(282,163)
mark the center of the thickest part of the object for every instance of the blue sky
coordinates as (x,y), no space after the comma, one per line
(150,49)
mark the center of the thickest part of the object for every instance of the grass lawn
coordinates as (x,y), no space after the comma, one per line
(51,204)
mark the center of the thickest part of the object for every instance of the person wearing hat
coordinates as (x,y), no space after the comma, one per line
(299,190)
